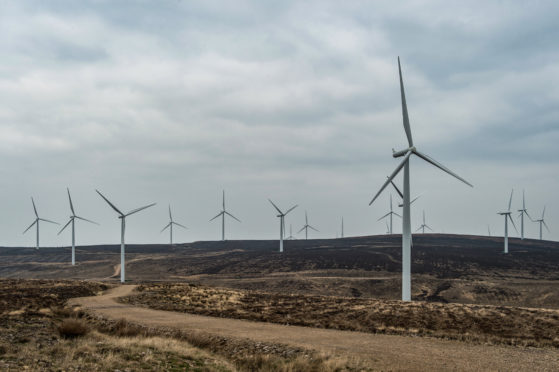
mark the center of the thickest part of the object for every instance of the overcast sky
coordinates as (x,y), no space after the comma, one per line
(173,101)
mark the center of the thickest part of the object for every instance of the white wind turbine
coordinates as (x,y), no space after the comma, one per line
(122,217)
(541,221)
(405,164)
(306,227)
(390,214)
(424,225)
(508,217)
(170,226)
(222,214)
(290,237)
(523,212)
(72,221)
(281,216)
(36,222)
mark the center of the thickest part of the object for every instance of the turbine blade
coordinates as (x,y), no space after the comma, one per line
(427,226)
(417,197)
(303,228)
(310,227)
(391,177)
(397,189)
(220,213)
(111,204)
(62,229)
(166,227)
(396,214)
(546,226)
(85,219)
(510,200)
(170,216)
(543,213)
(71,205)
(139,209)
(386,215)
(419,228)
(34,208)
(290,209)
(526,211)
(230,215)
(512,221)
(178,224)
(30,226)
(404,107)
(275,206)
(42,219)
(441,167)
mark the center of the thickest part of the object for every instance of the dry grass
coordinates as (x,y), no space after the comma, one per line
(72,328)
(480,323)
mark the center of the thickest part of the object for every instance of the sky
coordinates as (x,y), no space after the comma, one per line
(298,101)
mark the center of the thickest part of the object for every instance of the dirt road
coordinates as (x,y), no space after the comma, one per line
(380,351)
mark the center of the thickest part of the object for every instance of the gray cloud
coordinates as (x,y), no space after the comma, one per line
(298,101)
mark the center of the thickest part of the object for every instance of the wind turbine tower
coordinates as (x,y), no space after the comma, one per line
(122,217)
(307,227)
(170,226)
(281,216)
(342,227)
(508,217)
(36,222)
(523,212)
(222,214)
(72,221)
(541,221)
(390,214)
(405,164)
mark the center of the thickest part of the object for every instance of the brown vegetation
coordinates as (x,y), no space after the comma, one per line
(495,324)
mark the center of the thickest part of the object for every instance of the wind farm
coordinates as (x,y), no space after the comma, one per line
(337,245)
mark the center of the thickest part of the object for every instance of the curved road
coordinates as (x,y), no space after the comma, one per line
(380,351)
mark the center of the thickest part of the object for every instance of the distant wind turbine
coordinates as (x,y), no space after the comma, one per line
(222,214)
(342,226)
(170,226)
(307,227)
(390,214)
(36,222)
(405,164)
(424,225)
(508,217)
(72,221)
(488,230)
(541,221)
(523,212)
(122,217)
(281,216)
(290,237)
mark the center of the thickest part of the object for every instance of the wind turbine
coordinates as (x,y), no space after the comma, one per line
(488,230)
(281,216)
(507,215)
(290,237)
(523,211)
(222,214)
(170,226)
(389,214)
(306,227)
(122,217)
(405,164)
(424,225)
(542,222)
(72,221)
(36,222)
(342,227)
